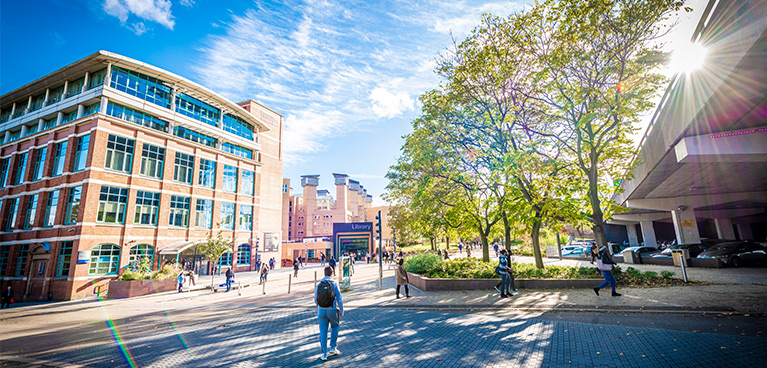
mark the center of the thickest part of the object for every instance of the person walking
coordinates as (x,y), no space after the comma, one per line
(229,278)
(503,270)
(495,248)
(402,278)
(593,252)
(330,309)
(271,263)
(180,281)
(605,265)
(322,259)
(7,298)
(190,275)
(460,248)
(264,273)
(295,268)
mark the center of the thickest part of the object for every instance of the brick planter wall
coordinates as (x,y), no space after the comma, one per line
(126,289)
(429,284)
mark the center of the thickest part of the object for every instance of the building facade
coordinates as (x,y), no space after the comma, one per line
(109,162)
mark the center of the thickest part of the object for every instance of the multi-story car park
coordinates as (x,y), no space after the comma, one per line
(110,161)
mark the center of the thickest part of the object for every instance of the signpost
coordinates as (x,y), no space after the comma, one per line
(380,256)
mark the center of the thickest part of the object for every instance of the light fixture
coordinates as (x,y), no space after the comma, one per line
(681,208)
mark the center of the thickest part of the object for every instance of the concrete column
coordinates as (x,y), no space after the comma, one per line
(631,229)
(40,124)
(7,137)
(85,84)
(648,233)
(108,75)
(80,110)
(13,110)
(29,103)
(724,229)
(103,105)
(24,130)
(66,89)
(47,95)
(744,230)
(685,226)
(59,118)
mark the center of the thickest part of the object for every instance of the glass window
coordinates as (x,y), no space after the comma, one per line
(70,116)
(182,171)
(75,87)
(59,158)
(142,86)
(97,78)
(5,255)
(39,163)
(246,218)
(4,163)
(65,259)
(29,219)
(179,211)
(5,115)
(227,216)
(237,150)
(112,202)
(21,109)
(55,95)
(37,102)
(21,168)
(137,117)
(152,158)
(91,109)
(147,208)
(196,109)
(81,153)
(234,124)
(248,182)
(21,260)
(194,136)
(225,260)
(207,176)
(105,259)
(243,254)
(119,155)
(51,205)
(13,208)
(142,253)
(230,178)
(73,204)
(204,214)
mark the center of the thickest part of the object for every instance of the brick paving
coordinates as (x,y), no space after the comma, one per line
(287,337)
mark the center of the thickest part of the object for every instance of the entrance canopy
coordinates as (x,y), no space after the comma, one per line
(177,247)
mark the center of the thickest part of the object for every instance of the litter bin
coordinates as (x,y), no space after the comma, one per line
(631,257)
(679,256)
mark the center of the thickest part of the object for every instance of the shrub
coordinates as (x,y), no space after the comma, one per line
(130,275)
(666,274)
(633,272)
(165,272)
(650,274)
(422,264)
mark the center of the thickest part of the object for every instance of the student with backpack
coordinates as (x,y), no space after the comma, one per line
(330,308)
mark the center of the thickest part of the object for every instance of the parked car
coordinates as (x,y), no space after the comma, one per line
(574,251)
(643,251)
(736,254)
(694,250)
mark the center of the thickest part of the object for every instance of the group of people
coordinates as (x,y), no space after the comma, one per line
(183,277)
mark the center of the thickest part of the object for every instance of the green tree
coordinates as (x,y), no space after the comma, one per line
(213,248)
(596,63)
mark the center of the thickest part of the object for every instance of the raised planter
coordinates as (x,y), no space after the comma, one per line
(429,284)
(126,289)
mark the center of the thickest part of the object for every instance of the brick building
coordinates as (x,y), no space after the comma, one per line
(109,160)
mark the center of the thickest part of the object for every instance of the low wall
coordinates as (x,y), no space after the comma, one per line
(126,289)
(429,284)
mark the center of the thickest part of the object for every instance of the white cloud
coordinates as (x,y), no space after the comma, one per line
(186,3)
(150,10)
(331,70)
(390,104)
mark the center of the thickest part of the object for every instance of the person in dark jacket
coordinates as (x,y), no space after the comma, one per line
(6,297)
(605,265)
(503,269)
(295,268)
(229,278)
(594,253)
(402,278)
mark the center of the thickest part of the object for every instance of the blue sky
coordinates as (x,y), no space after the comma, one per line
(345,74)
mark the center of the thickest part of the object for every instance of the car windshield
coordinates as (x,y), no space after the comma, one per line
(722,248)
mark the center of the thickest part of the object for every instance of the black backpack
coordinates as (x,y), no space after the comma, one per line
(325,294)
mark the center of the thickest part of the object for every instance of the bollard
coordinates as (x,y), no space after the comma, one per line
(380,278)
(239,288)
(315,280)
(263,288)
(290,278)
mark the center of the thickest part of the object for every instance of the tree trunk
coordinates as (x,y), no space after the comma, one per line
(535,234)
(506,232)
(447,242)
(485,246)
(597,216)
(433,243)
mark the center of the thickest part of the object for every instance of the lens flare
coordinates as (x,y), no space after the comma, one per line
(688,58)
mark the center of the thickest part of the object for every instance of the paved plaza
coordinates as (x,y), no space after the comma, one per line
(447,329)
